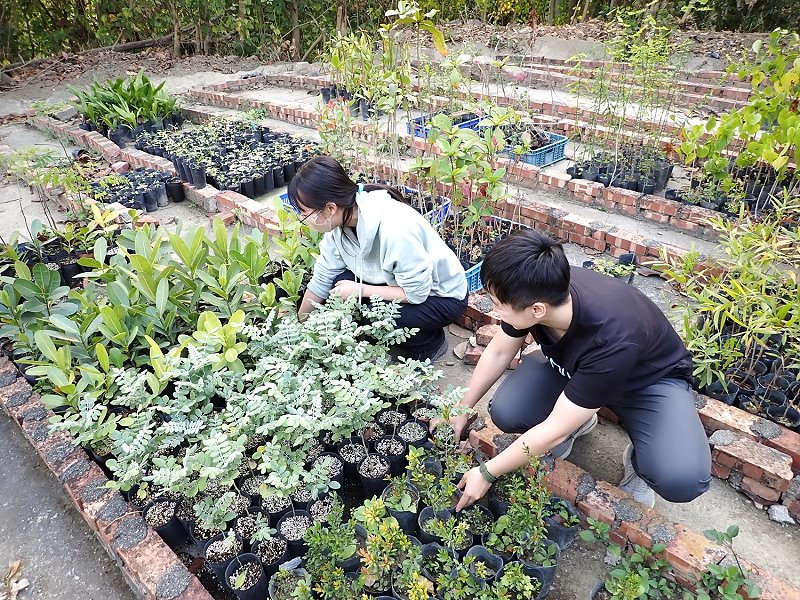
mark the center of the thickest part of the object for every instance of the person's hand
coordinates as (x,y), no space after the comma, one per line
(346,289)
(459,425)
(473,487)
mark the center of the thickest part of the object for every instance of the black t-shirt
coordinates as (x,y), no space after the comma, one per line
(619,341)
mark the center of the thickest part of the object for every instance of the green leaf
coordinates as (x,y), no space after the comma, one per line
(162,296)
(45,345)
(437,37)
(102,357)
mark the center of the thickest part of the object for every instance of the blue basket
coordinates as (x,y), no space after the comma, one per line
(473,274)
(419,128)
(437,215)
(286,204)
(546,155)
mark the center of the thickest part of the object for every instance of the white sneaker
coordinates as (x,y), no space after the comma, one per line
(633,484)
(563,449)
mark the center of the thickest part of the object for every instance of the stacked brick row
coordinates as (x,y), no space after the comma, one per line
(151,568)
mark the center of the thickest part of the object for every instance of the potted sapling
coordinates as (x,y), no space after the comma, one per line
(246,577)
(402,499)
(272,550)
(332,541)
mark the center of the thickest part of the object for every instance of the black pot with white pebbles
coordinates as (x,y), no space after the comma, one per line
(301,497)
(413,433)
(332,464)
(219,551)
(352,452)
(320,509)
(372,471)
(246,577)
(250,487)
(391,418)
(160,515)
(395,450)
(292,527)
(276,506)
(423,412)
(273,552)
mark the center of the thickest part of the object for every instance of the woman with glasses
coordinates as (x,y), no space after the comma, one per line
(377,245)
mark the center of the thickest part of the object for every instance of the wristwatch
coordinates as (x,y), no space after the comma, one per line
(485,472)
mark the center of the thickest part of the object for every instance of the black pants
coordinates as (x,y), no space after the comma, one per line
(671,452)
(430,317)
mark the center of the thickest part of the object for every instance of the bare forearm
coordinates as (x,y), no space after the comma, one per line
(306,306)
(490,367)
(387,292)
(534,442)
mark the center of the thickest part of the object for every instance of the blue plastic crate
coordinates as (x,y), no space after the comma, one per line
(286,204)
(418,127)
(546,155)
(473,274)
(437,215)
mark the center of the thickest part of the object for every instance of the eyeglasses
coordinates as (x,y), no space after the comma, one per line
(303,220)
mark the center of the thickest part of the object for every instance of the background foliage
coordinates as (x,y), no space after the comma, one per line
(274,28)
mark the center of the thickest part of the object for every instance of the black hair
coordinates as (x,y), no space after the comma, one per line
(527,267)
(322,179)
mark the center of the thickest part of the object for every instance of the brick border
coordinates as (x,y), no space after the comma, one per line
(150,567)
(687,552)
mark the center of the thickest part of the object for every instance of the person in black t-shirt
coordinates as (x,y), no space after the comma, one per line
(602,343)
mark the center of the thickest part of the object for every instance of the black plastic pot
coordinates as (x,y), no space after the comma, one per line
(197,176)
(120,135)
(271,568)
(790,416)
(363,108)
(173,532)
(161,194)
(604,178)
(647,186)
(218,568)
(296,547)
(295,570)
(493,561)
(373,486)
(486,512)
(350,468)
(69,271)
(673,195)
(269,181)
(406,520)
(543,591)
(277,176)
(715,390)
(591,173)
(259,187)
(248,188)
(426,514)
(557,531)
(150,201)
(340,477)
(543,574)
(326,94)
(350,565)
(431,549)
(418,443)
(175,191)
(397,462)
(575,172)
(768,397)
(258,591)
(288,171)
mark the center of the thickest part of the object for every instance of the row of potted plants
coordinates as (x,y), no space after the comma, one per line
(123,108)
(231,154)
(142,189)
(634,168)
(741,323)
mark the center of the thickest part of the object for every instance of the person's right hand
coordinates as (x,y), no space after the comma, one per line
(459,425)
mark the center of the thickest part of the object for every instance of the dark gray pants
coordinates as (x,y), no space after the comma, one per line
(671,452)
(430,317)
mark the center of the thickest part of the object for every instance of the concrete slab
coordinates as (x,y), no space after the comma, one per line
(59,554)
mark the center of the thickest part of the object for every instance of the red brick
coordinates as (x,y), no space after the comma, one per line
(121,167)
(473,354)
(486,333)
(146,220)
(753,487)
(564,479)
(752,471)
(227,217)
(720,471)
(483,439)
(725,460)
(793,506)
(596,506)
(772,587)
(690,552)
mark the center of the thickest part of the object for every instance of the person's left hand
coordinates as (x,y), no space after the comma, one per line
(346,289)
(473,487)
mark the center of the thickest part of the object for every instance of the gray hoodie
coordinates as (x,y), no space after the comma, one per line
(396,246)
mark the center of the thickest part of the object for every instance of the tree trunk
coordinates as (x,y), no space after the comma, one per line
(294,15)
(341,17)
(551,14)
(176,29)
